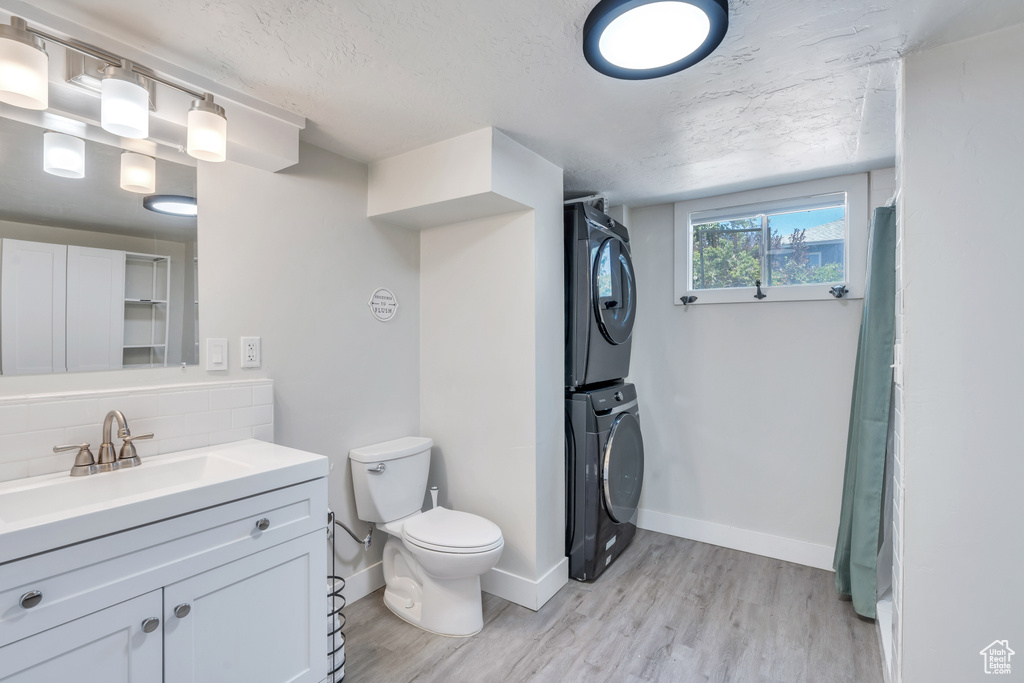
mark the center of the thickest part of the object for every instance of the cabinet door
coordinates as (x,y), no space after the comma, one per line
(33,279)
(261,619)
(95,309)
(109,646)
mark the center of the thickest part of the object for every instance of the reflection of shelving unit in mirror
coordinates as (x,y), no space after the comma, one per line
(147,281)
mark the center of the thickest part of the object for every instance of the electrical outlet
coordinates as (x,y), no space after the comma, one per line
(250,352)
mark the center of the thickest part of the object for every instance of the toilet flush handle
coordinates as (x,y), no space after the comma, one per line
(377,469)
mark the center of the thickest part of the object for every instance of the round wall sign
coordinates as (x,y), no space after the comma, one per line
(383,304)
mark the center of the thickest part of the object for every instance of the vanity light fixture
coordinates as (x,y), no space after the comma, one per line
(23,67)
(641,39)
(207,130)
(63,155)
(124,102)
(138,172)
(124,107)
(171,204)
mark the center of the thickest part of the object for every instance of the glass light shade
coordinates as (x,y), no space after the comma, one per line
(654,35)
(124,106)
(207,136)
(207,130)
(23,68)
(138,173)
(63,155)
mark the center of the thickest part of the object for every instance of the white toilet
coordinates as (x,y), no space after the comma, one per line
(432,560)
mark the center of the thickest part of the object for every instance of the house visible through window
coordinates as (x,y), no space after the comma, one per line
(782,237)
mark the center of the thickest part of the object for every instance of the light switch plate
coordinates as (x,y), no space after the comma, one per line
(250,352)
(216,354)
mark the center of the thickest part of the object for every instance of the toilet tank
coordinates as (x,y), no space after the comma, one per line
(390,478)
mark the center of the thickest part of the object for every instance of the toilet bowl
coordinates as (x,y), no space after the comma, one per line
(432,560)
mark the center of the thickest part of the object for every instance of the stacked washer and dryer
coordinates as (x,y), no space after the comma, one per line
(604,452)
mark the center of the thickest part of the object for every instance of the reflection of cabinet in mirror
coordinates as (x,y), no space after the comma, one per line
(60,308)
(146,287)
(72,309)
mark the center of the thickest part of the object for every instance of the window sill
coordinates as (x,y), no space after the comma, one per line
(745,295)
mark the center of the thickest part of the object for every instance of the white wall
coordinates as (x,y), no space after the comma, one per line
(491,341)
(478,372)
(744,407)
(963,365)
(291,257)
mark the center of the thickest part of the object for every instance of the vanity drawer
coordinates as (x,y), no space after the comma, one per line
(85,577)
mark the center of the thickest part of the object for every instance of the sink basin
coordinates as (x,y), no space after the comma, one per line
(51,511)
(70,493)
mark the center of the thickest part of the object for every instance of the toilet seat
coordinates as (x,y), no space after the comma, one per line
(450,531)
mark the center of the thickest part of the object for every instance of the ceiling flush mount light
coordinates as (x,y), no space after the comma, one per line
(640,39)
(124,90)
(207,130)
(171,204)
(138,173)
(23,67)
(124,102)
(63,155)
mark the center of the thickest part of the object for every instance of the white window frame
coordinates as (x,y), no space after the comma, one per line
(768,200)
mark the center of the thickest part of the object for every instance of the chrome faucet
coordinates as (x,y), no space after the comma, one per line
(128,457)
(106,461)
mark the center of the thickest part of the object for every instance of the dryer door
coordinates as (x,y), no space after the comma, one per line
(614,292)
(622,468)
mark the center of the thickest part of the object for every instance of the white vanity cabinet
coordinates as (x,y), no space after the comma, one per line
(109,646)
(232,592)
(248,620)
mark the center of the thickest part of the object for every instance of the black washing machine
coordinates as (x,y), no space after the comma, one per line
(600,297)
(604,456)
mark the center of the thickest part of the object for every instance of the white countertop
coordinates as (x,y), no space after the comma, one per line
(54,510)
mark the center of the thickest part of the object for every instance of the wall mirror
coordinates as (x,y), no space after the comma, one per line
(90,279)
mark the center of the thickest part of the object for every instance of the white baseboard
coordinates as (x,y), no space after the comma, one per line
(362,583)
(522,591)
(767,545)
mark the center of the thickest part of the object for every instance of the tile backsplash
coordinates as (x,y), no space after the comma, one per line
(181,416)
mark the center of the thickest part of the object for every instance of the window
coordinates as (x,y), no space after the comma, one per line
(797,240)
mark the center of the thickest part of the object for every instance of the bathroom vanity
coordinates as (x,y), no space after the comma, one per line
(206,565)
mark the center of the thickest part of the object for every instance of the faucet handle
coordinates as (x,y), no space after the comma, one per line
(84,462)
(129,437)
(71,447)
(128,457)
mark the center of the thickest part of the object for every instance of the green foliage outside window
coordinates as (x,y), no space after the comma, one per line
(729,253)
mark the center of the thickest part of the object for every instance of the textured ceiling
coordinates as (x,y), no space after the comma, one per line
(799,88)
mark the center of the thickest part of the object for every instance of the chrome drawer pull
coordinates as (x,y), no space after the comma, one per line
(31,599)
(150,625)
(182,610)
(263,524)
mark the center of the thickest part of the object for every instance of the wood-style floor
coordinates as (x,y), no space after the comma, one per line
(668,610)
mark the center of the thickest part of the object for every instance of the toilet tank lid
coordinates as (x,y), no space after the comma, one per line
(391,450)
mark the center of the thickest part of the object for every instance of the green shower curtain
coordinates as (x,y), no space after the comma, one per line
(860,518)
